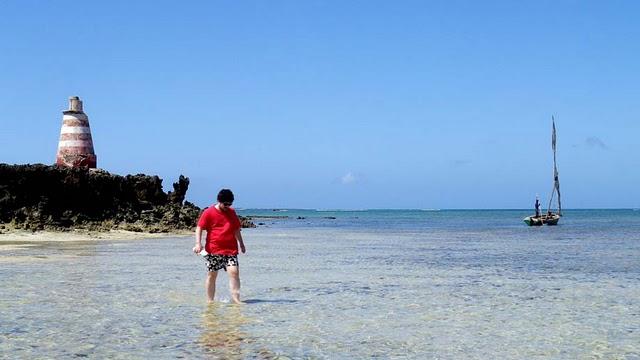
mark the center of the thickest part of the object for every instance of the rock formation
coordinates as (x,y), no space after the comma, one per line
(42,197)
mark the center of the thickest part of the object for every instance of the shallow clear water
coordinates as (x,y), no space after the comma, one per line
(458,285)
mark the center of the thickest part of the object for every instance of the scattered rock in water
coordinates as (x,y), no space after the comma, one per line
(246,223)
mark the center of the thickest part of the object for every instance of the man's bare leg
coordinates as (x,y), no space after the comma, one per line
(210,285)
(234,283)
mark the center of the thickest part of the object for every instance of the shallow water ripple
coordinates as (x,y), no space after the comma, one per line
(330,293)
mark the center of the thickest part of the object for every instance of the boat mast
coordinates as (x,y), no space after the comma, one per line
(556,181)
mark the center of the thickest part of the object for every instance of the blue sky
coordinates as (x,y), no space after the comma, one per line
(336,104)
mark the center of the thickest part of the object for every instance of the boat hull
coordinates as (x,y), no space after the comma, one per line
(548,219)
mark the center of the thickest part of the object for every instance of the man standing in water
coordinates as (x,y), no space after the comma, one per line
(223,236)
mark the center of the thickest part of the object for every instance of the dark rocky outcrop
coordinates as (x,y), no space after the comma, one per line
(246,222)
(42,197)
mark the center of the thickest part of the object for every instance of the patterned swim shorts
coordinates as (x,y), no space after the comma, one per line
(216,262)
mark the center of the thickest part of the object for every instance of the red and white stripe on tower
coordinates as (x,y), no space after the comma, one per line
(75,148)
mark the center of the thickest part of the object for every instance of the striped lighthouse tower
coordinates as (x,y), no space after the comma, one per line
(75,148)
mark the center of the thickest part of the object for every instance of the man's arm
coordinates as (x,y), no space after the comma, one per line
(198,247)
(239,239)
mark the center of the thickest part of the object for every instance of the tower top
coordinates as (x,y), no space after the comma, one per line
(75,104)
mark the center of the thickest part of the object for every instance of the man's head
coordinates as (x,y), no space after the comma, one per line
(225,197)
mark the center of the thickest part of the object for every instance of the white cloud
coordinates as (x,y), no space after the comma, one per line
(594,142)
(349,178)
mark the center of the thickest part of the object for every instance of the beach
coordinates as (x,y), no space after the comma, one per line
(413,180)
(15,239)
(337,288)
(81,235)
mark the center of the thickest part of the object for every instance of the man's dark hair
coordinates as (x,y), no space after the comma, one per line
(225,195)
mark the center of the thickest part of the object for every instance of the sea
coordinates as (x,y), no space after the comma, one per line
(338,284)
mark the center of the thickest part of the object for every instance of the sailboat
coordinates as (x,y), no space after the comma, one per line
(550,218)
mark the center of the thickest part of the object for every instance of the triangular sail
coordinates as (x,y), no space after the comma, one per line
(556,181)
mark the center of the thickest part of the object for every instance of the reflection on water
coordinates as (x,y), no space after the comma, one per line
(221,334)
(224,334)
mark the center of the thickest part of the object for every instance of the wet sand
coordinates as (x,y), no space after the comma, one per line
(12,239)
(16,240)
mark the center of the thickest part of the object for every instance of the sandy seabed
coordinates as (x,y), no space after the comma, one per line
(509,293)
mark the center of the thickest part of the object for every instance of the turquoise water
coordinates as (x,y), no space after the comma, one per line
(584,220)
(381,284)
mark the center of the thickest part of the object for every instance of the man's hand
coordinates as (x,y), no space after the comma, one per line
(197,249)
(238,236)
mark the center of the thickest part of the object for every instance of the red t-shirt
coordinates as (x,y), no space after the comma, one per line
(221,227)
